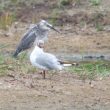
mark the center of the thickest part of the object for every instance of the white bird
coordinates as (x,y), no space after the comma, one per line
(44,60)
(36,32)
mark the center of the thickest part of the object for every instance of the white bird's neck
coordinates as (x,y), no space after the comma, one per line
(37,50)
(35,53)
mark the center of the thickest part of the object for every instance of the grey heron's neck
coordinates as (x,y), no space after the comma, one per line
(40,33)
(41,30)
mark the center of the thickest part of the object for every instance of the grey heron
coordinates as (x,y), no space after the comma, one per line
(45,61)
(37,32)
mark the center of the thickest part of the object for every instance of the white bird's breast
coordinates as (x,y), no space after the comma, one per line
(35,53)
(34,56)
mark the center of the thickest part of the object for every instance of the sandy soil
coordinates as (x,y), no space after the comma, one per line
(61,91)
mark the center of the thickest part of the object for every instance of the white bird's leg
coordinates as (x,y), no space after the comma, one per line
(43,73)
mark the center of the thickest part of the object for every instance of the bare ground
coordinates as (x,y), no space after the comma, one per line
(61,91)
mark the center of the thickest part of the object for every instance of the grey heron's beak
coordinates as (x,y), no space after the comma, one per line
(51,27)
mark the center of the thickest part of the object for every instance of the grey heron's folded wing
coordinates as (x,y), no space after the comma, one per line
(26,42)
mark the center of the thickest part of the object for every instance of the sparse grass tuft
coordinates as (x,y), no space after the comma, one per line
(16,66)
(95,2)
(6,20)
(3,66)
(99,27)
(62,3)
(98,18)
(55,16)
(14,1)
(91,70)
(65,2)
(1,59)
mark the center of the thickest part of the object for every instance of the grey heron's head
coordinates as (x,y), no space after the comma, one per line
(46,26)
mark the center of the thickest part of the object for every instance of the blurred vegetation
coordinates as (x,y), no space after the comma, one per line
(55,16)
(99,27)
(9,4)
(92,70)
(17,10)
(95,2)
(62,3)
(85,70)
(10,65)
(6,20)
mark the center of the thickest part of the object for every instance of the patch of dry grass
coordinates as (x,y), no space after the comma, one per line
(6,20)
(9,65)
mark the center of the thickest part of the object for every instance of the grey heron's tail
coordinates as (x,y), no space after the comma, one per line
(15,54)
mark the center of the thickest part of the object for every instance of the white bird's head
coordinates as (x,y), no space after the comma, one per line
(40,44)
(46,26)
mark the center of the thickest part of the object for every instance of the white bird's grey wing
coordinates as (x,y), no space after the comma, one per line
(48,61)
